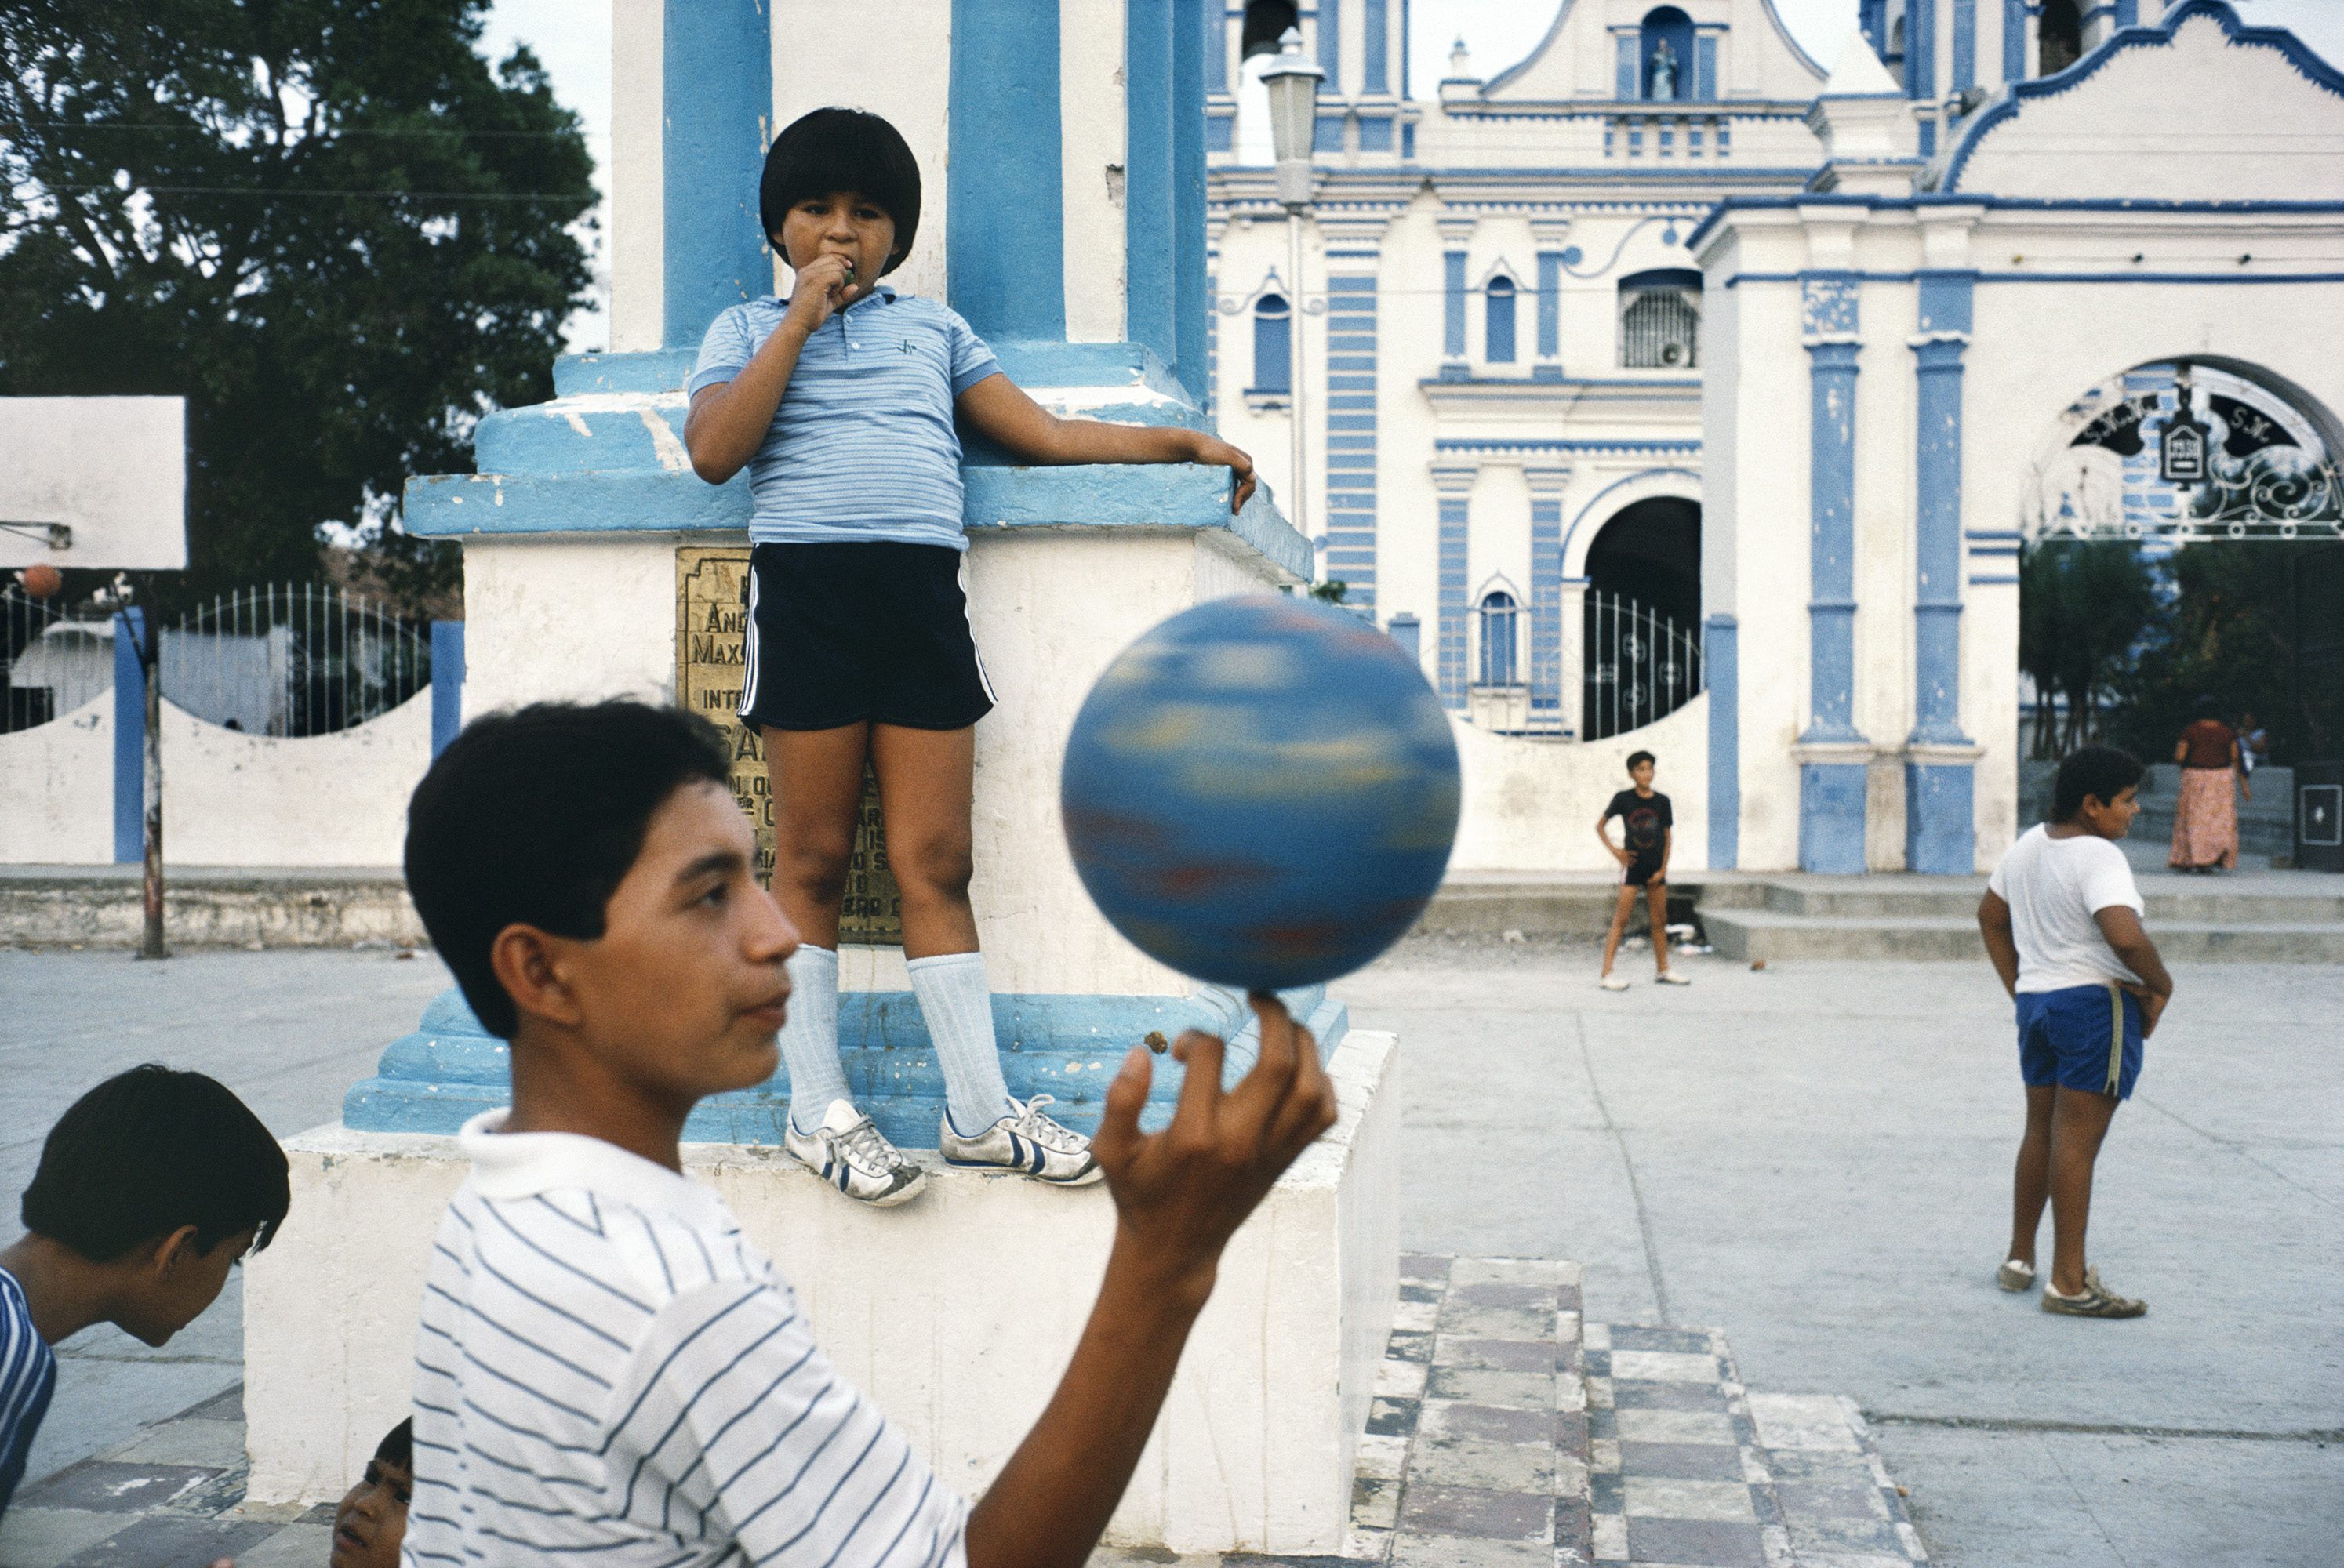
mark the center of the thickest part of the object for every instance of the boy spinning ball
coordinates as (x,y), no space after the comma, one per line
(607,1370)
(841,400)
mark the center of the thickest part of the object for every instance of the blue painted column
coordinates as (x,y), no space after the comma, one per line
(1374,75)
(1192,300)
(1831,781)
(2014,41)
(1330,44)
(1921,63)
(446,683)
(1965,43)
(1939,833)
(1151,267)
(1005,245)
(1454,482)
(129,739)
(1546,486)
(1351,426)
(1721,664)
(1452,306)
(717,80)
(1550,312)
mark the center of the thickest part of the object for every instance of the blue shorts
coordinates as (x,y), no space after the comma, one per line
(2085,1037)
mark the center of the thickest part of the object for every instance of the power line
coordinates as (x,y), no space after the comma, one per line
(311,191)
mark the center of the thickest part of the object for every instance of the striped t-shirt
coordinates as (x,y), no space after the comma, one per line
(863,445)
(29,1376)
(608,1371)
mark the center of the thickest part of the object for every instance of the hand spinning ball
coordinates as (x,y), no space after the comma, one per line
(1261,792)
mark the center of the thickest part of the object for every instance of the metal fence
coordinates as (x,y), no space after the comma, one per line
(1641,666)
(284,660)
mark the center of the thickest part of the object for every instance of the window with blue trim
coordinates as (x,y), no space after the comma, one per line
(1273,341)
(1499,320)
(1498,640)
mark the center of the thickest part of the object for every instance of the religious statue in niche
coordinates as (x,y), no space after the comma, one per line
(1664,71)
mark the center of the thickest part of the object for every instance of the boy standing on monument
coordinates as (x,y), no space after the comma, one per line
(842,401)
(2061,918)
(607,1370)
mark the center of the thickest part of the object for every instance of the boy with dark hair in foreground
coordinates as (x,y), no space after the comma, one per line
(606,1364)
(2061,918)
(370,1521)
(150,1188)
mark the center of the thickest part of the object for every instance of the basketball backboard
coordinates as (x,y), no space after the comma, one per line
(93,482)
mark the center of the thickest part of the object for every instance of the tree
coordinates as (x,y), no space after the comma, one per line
(2230,633)
(327,223)
(2083,606)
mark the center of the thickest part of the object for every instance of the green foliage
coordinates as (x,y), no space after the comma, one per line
(2227,633)
(2081,605)
(1331,591)
(327,223)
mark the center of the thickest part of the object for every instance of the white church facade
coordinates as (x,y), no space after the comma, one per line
(1671,388)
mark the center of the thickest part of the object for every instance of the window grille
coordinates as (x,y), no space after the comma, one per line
(1659,331)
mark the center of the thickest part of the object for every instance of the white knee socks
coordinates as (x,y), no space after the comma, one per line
(810,1037)
(958,1008)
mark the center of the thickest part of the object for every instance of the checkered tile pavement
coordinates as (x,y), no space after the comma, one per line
(1503,1431)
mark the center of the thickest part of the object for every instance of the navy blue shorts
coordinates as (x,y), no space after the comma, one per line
(2085,1037)
(847,633)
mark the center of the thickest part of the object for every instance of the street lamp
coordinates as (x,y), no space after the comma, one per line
(1293,84)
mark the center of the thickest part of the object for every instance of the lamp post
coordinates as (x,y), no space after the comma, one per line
(1293,84)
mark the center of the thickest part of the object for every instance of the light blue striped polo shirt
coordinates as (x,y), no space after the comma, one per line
(863,446)
(28,1374)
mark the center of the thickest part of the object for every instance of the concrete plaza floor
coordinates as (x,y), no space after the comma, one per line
(1813,1158)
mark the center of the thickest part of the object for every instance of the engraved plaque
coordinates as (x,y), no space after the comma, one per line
(710,626)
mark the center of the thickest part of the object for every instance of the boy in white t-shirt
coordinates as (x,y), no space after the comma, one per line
(2061,918)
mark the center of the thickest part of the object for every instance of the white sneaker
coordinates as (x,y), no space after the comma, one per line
(1670,977)
(1026,1140)
(1613,982)
(850,1153)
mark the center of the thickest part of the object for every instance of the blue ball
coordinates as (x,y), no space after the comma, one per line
(1261,792)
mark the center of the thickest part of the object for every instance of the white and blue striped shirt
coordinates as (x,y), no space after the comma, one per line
(29,1376)
(608,1369)
(863,445)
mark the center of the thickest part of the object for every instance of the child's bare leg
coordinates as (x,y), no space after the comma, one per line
(2079,1119)
(815,777)
(1656,896)
(926,780)
(1619,923)
(2030,1184)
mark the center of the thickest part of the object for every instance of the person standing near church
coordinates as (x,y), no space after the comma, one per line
(1647,833)
(842,401)
(2205,814)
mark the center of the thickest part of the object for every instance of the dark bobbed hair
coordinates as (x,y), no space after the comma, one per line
(149,1150)
(2209,706)
(1636,757)
(398,1445)
(843,150)
(534,818)
(2103,772)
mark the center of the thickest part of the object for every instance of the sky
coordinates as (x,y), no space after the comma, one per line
(572,38)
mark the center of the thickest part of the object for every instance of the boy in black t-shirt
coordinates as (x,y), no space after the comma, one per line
(1646,824)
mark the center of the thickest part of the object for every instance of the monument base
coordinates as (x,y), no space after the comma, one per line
(955,1314)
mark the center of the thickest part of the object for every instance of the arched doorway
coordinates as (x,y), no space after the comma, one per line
(1641,616)
(2171,514)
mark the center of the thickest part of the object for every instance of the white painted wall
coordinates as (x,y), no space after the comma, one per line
(1093,132)
(570,617)
(57,789)
(1532,805)
(1254,1450)
(638,217)
(230,799)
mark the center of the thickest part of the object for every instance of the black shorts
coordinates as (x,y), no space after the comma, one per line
(1641,872)
(843,633)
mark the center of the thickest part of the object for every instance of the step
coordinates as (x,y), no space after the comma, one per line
(1770,934)
(209,906)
